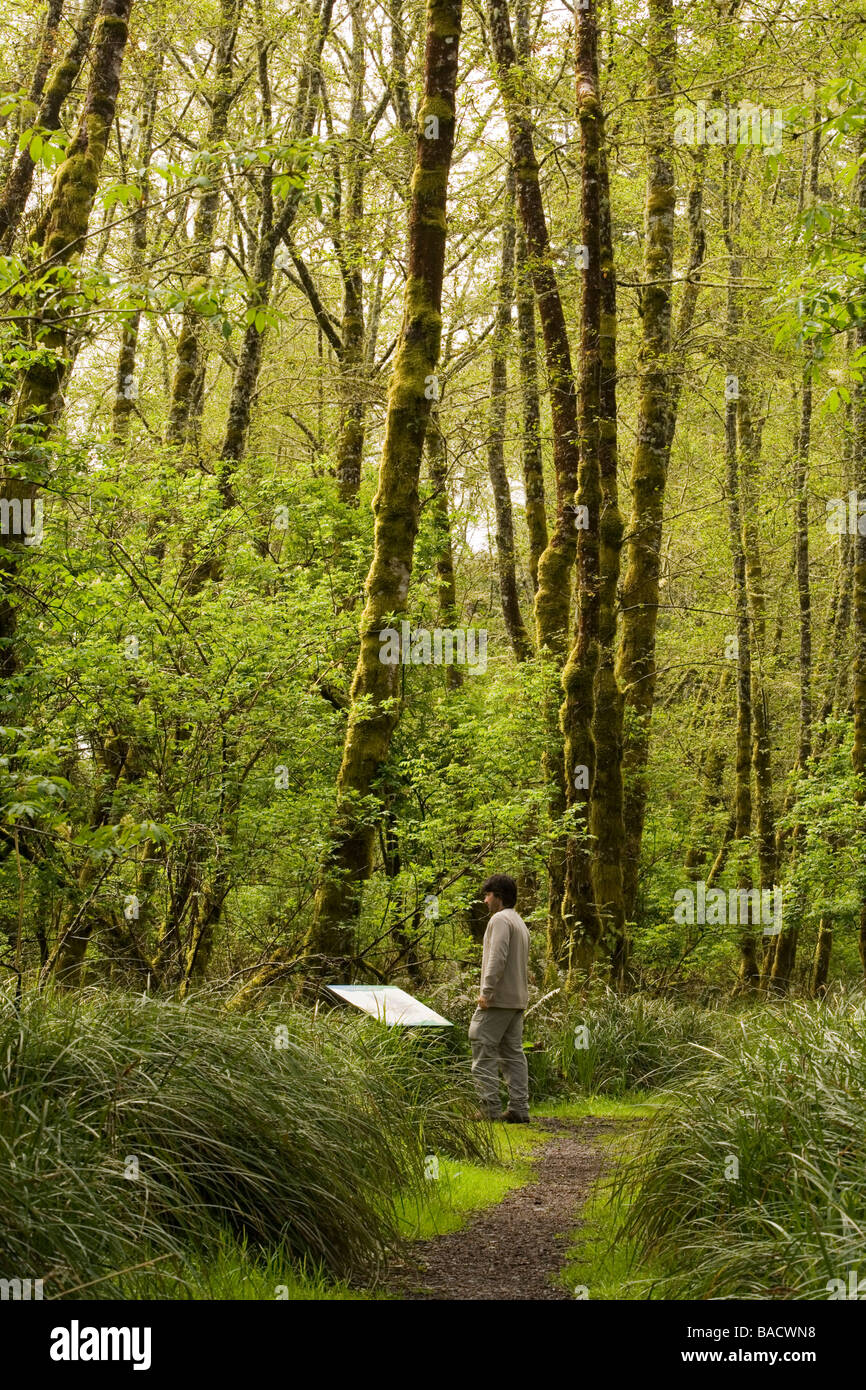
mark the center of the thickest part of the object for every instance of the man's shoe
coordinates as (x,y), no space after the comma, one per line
(509,1118)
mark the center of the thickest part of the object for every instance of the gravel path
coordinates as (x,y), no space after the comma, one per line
(513,1250)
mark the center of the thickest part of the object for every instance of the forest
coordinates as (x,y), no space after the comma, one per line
(433,446)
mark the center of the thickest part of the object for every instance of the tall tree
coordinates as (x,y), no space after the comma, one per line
(579,908)
(505,556)
(65,225)
(126,386)
(188,383)
(374,710)
(17,188)
(749,971)
(636,666)
(858,421)
(553,595)
(533,459)
(606,818)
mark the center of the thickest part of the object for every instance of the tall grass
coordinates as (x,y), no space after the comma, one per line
(613,1044)
(753,1184)
(132,1131)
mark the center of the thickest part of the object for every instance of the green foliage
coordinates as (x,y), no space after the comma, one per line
(129,1126)
(753,1184)
(613,1044)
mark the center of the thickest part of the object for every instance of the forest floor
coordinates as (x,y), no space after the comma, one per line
(518,1249)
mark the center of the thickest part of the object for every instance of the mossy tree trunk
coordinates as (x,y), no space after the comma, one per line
(552,601)
(188,382)
(748,448)
(219,874)
(749,971)
(375,692)
(858,420)
(786,943)
(636,665)
(579,908)
(399,84)
(821,960)
(831,666)
(505,558)
(350,257)
(606,822)
(14,121)
(65,225)
(553,594)
(45,51)
(446,589)
(533,461)
(125,391)
(712,770)
(16,190)
(116,763)
(535,508)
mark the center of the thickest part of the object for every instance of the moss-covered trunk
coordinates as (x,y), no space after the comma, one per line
(831,668)
(713,759)
(218,878)
(821,959)
(446,588)
(65,224)
(16,190)
(748,447)
(125,386)
(606,822)
(785,953)
(375,693)
(533,460)
(535,508)
(749,971)
(350,255)
(553,595)
(579,907)
(858,420)
(636,665)
(505,559)
(188,382)
(552,601)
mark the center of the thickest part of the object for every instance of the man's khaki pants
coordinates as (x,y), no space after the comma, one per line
(496,1036)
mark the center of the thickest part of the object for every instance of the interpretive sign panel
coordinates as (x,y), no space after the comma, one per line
(390,1005)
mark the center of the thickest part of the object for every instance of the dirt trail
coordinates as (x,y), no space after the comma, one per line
(512,1250)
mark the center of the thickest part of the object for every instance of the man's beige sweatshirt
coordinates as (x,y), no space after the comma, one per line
(505,961)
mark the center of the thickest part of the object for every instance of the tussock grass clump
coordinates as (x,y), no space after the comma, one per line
(614,1044)
(753,1183)
(132,1130)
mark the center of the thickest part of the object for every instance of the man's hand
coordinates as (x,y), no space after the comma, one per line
(482,1002)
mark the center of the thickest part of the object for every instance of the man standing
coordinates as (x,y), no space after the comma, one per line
(496,1030)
